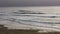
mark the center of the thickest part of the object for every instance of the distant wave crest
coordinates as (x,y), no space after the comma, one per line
(27,12)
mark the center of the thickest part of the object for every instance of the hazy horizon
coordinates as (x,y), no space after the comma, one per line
(16,3)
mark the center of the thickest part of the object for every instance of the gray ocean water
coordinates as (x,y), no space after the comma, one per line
(37,17)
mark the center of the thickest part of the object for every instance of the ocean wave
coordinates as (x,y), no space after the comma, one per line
(31,18)
(27,12)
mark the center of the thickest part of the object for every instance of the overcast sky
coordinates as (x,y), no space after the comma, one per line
(29,3)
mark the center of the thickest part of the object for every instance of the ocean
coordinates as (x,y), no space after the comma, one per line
(47,18)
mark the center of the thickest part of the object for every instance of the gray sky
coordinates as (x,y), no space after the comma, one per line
(29,3)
